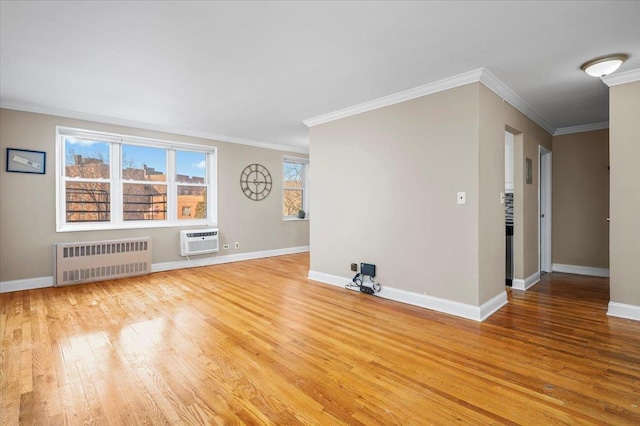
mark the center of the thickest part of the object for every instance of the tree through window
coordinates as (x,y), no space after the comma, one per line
(295,194)
(109,180)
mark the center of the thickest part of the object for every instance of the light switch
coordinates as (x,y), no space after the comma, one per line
(502,198)
(462,198)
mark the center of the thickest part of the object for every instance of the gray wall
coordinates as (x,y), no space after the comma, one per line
(624,132)
(27,202)
(384,191)
(581,199)
(528,137)
(491,213)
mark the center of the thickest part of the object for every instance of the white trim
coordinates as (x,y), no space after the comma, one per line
(582,128)
(136,224)
(427,89)
(476,313)
(622,310)
(545,177)
(491,306)
(481,74)
(116,181)
(26,284)
(42,282)
(328,278)
(147,126)
(306,178)
(501,89)
(216,260)
(621,77)
(527,283)
(297,160)
(581,270)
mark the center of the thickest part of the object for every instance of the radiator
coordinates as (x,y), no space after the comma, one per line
(85,262)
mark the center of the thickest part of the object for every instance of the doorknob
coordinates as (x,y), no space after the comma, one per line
(542,215)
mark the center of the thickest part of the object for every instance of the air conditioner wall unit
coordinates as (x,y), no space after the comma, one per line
(198,241)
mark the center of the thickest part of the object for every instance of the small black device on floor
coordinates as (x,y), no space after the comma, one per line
(365,289)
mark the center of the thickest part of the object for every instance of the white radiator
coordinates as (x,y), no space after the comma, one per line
(77,263)
(198,241)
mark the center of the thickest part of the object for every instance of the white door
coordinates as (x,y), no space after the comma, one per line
(544,191)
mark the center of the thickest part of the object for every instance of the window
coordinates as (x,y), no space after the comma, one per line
(295,183)
(108,181)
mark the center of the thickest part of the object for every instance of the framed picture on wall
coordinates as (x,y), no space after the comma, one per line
(26,161)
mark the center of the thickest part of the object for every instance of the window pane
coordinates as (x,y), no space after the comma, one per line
(292,201)
(192,202)
(86,158)
(88,202)
(144,163)
(144,202)
(191,167)
(293,173)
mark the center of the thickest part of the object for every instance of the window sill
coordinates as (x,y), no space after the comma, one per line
(134,224)
(294,219)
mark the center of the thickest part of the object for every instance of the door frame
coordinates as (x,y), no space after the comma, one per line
(544,208)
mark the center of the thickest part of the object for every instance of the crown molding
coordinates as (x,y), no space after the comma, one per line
(481,74)
(501,89)
(146,126)
(621,77)
(582,128)
(427,89)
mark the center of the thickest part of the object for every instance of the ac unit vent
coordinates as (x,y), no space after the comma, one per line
(198,241)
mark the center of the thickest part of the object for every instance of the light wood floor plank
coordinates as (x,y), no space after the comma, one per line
(256,342)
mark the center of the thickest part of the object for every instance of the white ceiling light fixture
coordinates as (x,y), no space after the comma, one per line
(604,65)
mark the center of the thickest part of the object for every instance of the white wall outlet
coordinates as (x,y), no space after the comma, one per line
(502,198)
(237,245)
(462,198)
(225,247)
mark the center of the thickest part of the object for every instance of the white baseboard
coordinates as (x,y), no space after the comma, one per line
(476,313)
(492,306)
(216,260)
(42,282)
(580,270)
(527,283)
(26,284)
(621,310)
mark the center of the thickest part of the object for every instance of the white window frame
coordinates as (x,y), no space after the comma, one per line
(116,182)
(306,199)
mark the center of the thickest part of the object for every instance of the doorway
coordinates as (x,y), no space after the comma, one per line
(544,210)
(509,185)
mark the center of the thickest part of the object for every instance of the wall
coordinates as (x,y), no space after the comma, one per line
(27,207)
(624,133)
(384,187)
(384,192)
(491,219)
(581,199)
(528,136)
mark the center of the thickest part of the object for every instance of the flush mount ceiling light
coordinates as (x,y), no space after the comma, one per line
(604,65)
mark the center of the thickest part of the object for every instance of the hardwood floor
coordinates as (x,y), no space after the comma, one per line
(257,343)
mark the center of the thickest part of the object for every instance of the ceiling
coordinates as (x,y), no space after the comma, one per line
(253,71)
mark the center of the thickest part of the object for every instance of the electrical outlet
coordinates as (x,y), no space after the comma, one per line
(354,267)
(237,245)
(225,247)
(462,198)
